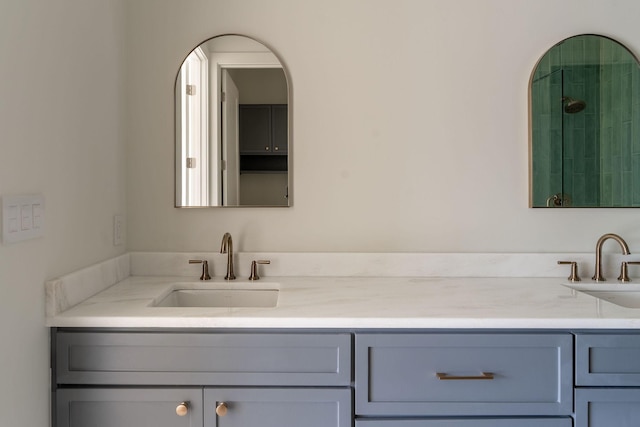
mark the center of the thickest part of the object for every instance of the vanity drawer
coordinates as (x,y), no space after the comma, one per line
(608,360)
(203,358)
(470,422)
(607,407)
(524,374)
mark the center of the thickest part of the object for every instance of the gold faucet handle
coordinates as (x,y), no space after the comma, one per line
(205,268)
(573,277)
(254,268)
(624,271)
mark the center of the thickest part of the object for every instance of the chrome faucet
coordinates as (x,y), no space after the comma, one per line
(227,248)
(625,250)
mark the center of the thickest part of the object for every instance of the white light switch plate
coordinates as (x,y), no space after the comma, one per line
(22,217)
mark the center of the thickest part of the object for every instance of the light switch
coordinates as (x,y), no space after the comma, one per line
(37,215)
(22,217)
(13,225)
(12,218)
(26,211)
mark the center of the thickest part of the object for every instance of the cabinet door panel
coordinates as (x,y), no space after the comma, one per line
(608,360)
(607,407)
(255,129)
(279,407)
(127,407)
(280,130)
(502,422)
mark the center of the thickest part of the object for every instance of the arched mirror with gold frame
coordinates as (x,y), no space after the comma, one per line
(584,125)
(232,126)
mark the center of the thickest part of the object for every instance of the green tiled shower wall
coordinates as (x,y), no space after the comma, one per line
(546,149)
(592,156)
(619,79)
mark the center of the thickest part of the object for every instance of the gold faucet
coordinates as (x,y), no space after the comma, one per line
(625,250)
(227,248)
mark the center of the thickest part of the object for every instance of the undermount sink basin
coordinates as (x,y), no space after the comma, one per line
(622,294)
(225,297)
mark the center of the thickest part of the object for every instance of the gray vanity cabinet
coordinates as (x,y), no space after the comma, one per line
(246,407)
(104,378)
(607,380)
(106,407)
(122,379)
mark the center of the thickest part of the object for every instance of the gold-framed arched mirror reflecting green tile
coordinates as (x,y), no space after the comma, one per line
(584,125)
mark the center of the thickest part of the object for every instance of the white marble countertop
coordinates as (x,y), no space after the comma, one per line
(358,302)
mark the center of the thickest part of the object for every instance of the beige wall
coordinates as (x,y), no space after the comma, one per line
(409,123)
(61,110)
(410,134)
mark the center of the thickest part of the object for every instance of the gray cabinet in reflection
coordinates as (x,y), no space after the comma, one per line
(280,128)
(263,129)
(263,136)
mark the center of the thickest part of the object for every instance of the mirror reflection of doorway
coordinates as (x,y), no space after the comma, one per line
(254,137)
(221,78)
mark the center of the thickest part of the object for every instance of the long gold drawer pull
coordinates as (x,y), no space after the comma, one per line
(483,376)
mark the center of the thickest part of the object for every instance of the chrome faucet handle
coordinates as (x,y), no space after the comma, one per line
(624,271)
(254,268)
(205,268)
(573,277)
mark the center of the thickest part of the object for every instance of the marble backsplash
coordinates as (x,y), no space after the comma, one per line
(337,264)
(69,290)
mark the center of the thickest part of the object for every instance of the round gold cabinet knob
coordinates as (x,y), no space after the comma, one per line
(182,409)
(221,409)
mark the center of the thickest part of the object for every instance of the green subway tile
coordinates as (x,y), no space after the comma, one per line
(578,191)
(592,190)
(590,144)
(627,188)
(636,179)
(605,190)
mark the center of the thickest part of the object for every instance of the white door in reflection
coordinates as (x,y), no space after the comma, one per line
(193,157)
(230,143)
